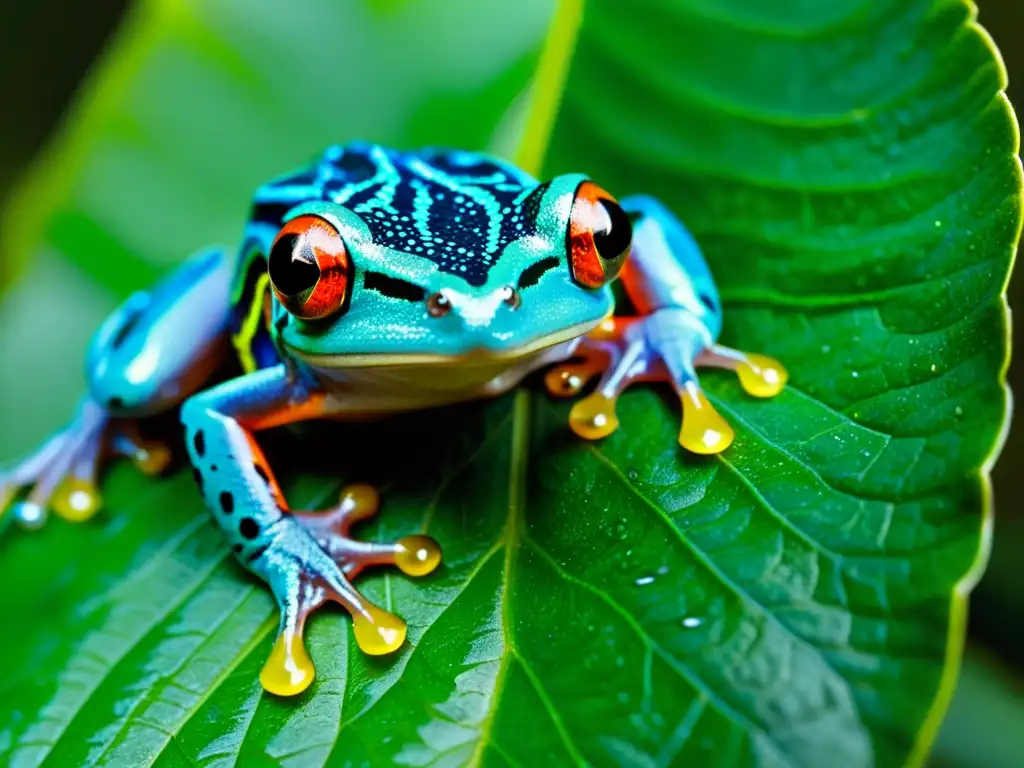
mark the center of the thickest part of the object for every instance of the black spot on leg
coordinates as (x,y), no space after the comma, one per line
(199,441)
(238,548)
(249,528)
(115,403)
(227,503)
(198,476)
(213,467)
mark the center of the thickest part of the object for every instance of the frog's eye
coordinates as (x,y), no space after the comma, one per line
(310,268)
(599,236)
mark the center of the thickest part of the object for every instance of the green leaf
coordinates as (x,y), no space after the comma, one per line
(200,103)
(849,169)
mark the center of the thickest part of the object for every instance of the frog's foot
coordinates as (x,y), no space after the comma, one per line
(61,474)
(311,562)
(661,346)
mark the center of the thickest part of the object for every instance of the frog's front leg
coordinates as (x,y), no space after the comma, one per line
(149,355)
(306,558)
(679,320)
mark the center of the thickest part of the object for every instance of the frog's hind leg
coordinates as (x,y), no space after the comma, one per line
(151,353)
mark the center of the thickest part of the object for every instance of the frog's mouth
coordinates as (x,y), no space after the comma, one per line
(478,357)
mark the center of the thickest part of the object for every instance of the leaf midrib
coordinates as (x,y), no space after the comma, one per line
(514,534)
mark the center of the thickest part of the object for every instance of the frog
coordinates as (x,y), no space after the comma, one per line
(373,282)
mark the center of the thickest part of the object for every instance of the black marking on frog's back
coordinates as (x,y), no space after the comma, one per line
(457,209)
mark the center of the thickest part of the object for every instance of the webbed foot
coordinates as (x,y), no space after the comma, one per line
(310,561)
(666,345)
(62,474)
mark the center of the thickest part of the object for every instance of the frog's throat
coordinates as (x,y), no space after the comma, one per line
(475,357)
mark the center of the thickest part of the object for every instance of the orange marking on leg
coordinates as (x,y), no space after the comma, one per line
(262,467)
(310,408)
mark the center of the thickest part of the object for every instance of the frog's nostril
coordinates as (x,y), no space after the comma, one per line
(511,297)
(438,305)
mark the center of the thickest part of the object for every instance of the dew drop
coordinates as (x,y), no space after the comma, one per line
(692,621)
(643,581)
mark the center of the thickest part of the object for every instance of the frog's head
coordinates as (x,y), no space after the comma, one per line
(456,274)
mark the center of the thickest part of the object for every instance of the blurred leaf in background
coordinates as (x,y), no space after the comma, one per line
(856,195)
(201,102)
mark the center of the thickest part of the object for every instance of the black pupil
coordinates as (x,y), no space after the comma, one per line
(293,267)
(614,238)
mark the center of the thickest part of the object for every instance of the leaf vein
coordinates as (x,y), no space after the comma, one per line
(677,665)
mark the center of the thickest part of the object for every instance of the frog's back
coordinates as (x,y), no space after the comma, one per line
(458,209)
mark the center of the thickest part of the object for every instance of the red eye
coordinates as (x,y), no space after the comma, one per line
(599,236)
(309,268)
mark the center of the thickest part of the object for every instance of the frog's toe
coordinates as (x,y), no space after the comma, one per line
(76,499)
(623,356)
(28,473)
(150,456)
(356,502)
(568,379)
(594,417)
(414,555)
(304,576)
(703,429)
(759,375)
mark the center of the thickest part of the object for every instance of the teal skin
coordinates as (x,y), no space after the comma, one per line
(377,325)
(397,281)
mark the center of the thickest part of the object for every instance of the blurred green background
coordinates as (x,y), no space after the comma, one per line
(47,48)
